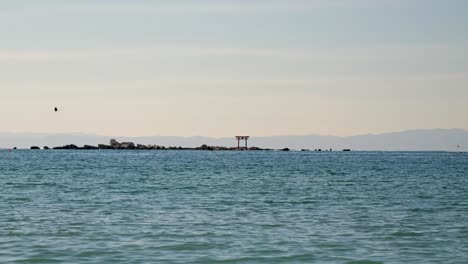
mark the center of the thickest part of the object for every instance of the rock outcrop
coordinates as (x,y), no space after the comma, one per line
(71,146)
(114,144)
(89,147)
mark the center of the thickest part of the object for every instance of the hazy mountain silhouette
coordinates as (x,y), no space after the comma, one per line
(424,140)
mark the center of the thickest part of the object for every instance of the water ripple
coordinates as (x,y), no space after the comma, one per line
(233,207)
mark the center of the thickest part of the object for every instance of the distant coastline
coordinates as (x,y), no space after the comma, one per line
(414,140)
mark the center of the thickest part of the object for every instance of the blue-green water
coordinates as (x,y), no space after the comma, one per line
(233,207)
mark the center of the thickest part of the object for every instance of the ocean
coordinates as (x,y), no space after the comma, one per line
(233,207)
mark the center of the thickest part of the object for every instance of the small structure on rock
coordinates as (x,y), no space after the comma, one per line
(114,144)
(245,138)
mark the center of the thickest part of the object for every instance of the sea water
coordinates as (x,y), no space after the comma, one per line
(233,207)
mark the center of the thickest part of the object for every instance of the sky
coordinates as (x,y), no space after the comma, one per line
(223,68)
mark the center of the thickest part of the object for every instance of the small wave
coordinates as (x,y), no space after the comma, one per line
(406,234)
(364,262)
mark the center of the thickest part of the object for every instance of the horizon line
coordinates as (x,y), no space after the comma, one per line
(223,137)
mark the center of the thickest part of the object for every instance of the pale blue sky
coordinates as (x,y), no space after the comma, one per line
(218,68)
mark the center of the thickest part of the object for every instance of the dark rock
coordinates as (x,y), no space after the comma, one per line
(35,147)
(285,149)
(102,146)
(114,144)
(126,145)
(139,146)
(88,147)
(205,147)
(45,147)
(71,146)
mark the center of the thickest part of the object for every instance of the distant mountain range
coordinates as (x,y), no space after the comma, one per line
(414,140)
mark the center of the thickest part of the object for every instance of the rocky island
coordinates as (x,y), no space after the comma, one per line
(114,144)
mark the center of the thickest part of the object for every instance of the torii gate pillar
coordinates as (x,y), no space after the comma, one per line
(239,138)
